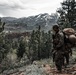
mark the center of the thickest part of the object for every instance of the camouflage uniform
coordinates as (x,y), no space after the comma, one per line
(58,49)
(67,52)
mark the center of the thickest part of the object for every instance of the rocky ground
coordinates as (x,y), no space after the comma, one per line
(42,67)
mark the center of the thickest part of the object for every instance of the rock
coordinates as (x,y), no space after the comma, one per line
(47,69)
(35,62)
(34,70)
(5,72)
(74,73)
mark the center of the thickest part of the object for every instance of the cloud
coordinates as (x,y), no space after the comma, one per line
(11,4)
(1,15)
(22,8)
(8,7)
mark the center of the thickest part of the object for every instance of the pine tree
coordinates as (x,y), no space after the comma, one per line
(42,41)
(48,44)
(62,20)
(68,11)
(1,26)
(38,36)
(2,41)
(21,49)
(33,46)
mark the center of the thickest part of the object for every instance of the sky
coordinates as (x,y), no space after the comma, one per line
(25,8)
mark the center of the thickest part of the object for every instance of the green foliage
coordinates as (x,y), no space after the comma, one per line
(21,49)
(40,44)
(1,26)
(3,51)
(67,14)
(36,46)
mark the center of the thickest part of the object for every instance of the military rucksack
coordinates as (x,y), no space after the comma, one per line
(69,35)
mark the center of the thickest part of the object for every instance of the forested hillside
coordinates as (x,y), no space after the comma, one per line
(26,43)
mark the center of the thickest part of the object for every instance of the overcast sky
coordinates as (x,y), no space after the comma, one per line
(25,8)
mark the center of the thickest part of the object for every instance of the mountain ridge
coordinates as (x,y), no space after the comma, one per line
(30,23)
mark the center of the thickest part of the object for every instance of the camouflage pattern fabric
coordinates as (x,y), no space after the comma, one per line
(58,47)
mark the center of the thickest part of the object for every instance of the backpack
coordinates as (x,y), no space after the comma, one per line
(66,38)
(69,31)
(69,36)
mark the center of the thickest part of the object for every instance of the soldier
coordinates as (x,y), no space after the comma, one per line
(58,44)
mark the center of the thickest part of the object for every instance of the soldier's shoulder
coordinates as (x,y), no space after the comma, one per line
(52,33)
(61,33)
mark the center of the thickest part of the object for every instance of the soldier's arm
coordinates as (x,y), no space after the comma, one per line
(53,43)
(61,40)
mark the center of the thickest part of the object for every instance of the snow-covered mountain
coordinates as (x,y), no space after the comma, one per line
(30,23)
